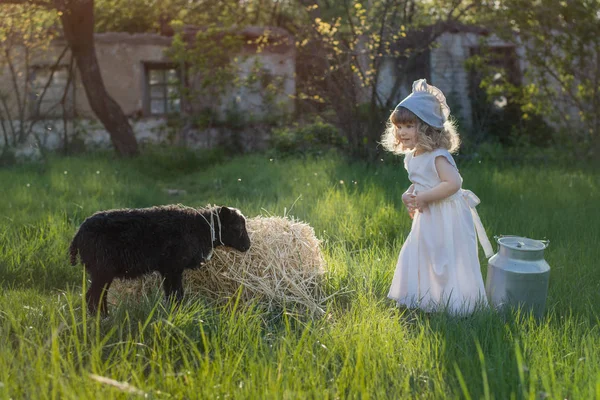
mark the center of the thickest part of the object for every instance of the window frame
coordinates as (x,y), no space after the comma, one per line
(148,67)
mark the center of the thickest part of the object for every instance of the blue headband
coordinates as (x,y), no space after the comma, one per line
(428,103)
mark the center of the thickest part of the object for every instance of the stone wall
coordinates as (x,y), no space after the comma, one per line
(89,134)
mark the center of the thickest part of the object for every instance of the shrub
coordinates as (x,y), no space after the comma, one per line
(313,138)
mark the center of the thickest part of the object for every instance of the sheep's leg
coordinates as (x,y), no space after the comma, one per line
(98,292)
(104,297)
(173,286)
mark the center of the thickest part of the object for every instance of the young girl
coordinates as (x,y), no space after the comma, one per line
(438,267)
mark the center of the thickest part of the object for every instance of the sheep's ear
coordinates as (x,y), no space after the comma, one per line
(225,211)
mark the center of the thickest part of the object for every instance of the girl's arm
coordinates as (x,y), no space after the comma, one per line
(450,184)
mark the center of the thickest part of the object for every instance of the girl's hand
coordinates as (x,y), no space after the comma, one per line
(407,199)
(411,213)
(418,203)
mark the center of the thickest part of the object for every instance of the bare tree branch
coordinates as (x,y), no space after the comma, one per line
(15,83)
(9,117)
(53,68)
(5,134)
(63,102)
(374,92)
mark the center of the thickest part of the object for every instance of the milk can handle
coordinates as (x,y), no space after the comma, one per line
(496,238)
(546,243)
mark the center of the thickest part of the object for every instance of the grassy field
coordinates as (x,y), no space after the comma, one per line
(364,347)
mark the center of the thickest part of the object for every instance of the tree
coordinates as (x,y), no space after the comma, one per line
(348,45)
(77,18)
(136,16)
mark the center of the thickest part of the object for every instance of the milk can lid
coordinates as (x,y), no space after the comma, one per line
(522,243)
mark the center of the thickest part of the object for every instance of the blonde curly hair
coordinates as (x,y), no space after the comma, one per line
(428,137)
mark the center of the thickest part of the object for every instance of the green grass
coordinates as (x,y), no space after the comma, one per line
(364,347)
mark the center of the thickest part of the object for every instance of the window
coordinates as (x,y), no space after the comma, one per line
(499,115)
(163,89)
(47,91)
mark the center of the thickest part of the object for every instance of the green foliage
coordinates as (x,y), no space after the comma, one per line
(312,138)
(133,16)
(137,16)
(210,57)
(205,118)
(560,43)
(28,25)
(363,347)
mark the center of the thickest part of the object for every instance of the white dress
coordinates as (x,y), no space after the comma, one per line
(438,267)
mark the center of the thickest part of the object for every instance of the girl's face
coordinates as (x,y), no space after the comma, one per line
(406,133)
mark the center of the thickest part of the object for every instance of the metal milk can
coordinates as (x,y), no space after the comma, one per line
(518,275)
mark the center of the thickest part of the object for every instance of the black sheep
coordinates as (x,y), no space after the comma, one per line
(129,243)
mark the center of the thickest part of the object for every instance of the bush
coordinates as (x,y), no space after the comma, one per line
(7,157)
(317,138)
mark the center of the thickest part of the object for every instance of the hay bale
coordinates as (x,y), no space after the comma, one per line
(284,266)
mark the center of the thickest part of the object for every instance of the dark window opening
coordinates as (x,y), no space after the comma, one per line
(163,84)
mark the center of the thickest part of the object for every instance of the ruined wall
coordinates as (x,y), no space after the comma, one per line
(122,58)
(448,70)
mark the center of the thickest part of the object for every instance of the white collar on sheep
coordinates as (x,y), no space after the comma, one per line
(213,213)
(212,226)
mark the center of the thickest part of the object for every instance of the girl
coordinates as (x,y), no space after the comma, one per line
(438,267)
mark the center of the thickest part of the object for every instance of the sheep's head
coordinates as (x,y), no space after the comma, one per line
(233,228)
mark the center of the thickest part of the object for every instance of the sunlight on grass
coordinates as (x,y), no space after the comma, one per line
(362,347)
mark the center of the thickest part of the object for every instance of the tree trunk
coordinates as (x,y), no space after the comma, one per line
(78,24)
